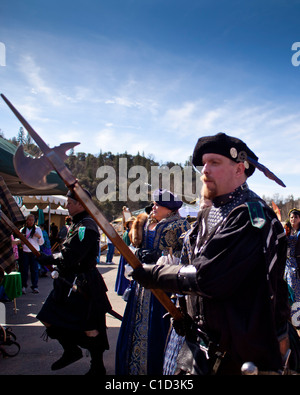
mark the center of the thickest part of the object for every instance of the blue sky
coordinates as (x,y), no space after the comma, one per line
(155,75)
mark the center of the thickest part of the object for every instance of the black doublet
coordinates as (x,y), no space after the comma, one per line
(79,311)
(240,296)
(211,218)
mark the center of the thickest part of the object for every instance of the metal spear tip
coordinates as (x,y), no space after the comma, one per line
(54,274)
(249,369)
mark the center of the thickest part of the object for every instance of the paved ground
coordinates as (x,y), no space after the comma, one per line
(37,355)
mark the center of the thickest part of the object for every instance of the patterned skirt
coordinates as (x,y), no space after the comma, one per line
(293,280)
(142,337)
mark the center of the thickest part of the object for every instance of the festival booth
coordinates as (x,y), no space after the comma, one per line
(51,208)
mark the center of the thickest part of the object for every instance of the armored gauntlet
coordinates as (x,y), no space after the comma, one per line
(175,278)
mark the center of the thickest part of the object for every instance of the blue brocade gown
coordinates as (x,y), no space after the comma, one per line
(121,281)
(293,280)
(143,333)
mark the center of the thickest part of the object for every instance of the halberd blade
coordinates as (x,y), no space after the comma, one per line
(32,171)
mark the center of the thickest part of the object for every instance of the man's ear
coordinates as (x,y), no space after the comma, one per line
(240,169)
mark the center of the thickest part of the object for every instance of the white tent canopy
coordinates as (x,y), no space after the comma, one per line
(188,209)
(50,204)
(62,211)
(43,201)
(59,210)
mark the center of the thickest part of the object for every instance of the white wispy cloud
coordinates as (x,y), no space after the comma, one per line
(33,75)
(127,112)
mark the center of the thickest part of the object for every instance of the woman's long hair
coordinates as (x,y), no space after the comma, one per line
(32,232)
(288,226)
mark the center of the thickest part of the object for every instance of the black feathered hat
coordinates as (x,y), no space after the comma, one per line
(222,144)
(234,149)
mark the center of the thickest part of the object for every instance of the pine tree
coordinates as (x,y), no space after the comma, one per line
(21,136)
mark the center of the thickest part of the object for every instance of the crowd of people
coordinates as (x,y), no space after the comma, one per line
(37,235)
(233,274)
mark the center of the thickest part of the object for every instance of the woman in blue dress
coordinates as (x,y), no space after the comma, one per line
(121,281)
(292,273)
(143,333)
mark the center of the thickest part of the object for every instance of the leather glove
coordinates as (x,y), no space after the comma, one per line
(46,259)
(147,256)
(143,275)
(55,259)
(185,326)
(158,276)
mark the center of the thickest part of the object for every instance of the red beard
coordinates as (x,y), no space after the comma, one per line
(209,191)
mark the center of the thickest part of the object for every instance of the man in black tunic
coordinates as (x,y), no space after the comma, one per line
(77,318)
(238,300)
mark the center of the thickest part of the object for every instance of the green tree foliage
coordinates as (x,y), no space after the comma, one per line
(85,166)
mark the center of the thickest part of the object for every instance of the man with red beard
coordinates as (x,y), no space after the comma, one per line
(237,301)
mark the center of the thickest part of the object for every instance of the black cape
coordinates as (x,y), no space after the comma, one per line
(83,310)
